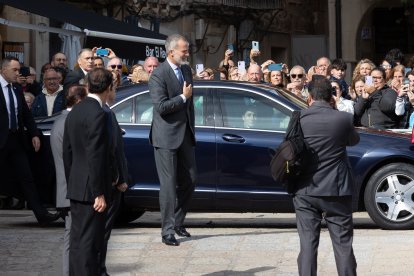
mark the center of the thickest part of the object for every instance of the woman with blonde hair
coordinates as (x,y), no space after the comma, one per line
(363,68)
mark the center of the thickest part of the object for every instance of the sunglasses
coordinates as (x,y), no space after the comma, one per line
(298,75)
(119,66)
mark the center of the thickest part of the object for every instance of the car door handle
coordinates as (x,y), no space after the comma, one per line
(123,132)
(233,138)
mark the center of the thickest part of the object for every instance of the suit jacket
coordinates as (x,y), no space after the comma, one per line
(73,77)
(328,132)
(24,117)
(56,142)
(171,116)
(39,106)
(85,152)
(117,160)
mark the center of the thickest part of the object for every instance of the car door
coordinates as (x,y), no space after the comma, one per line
(135,116)
(249,126)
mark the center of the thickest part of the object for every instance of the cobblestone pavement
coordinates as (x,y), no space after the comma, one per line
(221,244)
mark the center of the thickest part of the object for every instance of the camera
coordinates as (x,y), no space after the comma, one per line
(333,91)
(25,71)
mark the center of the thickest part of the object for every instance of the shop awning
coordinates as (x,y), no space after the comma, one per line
(100,30)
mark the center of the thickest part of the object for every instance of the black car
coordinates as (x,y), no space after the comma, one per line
(238,126)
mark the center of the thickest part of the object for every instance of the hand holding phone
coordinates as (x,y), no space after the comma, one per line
(25,71)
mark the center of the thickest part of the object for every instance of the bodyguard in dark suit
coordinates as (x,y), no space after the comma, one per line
(86,161)
(172,136)
(75,94)
(119,174)
(325,188)
(14,118)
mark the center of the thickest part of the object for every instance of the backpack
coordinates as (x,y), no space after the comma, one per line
(290,157)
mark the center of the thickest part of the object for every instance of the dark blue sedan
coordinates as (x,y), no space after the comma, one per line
(238,126)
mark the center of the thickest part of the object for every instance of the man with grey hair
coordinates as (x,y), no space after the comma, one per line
(150,64)
(297,82)
(173,136)
(115,64)
(322,65)
(254,73)
(85,62)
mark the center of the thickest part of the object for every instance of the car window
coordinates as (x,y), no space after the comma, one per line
(123,112)
(248,110)
(143,108)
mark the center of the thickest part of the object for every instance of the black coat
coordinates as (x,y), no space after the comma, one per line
(379,109)
(85,152)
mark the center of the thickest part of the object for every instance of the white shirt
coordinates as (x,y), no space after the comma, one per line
(96,97)
(175,68)
(4,87)
(50,99)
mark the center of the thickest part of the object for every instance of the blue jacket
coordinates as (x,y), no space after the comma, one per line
(39,106)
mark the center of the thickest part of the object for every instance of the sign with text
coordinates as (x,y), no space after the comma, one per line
(14,49)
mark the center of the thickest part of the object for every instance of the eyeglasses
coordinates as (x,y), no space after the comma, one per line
(119,66)
(296,75)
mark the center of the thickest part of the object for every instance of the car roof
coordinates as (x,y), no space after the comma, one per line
(127,91)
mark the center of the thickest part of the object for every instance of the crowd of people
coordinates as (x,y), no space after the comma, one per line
(378,96)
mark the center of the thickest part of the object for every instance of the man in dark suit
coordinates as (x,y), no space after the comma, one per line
(324,190)
(76,93)
(119,173)
(173,138)
(85,62)
(15,116)
(86,161)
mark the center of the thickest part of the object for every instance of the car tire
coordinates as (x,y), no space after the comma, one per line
(389,196)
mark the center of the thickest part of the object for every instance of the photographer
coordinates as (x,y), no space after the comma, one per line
(376,107)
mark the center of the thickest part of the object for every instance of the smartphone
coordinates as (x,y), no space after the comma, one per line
(241,66)
(275,67)
(102,52)
(333,91)
(368,80)
(199,68)
(230,47)
(406,81)
(255,45)
(25,71)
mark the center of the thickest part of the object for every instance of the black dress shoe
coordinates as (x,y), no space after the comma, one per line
(170,240)
(48,218)
(182,232)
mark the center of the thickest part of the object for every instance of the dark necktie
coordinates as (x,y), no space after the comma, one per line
(13,121)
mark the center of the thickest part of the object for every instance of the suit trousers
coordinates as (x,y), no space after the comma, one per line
(14,154)
(177,173)
(113,209)
(66,245)
(86,239)
(337,212)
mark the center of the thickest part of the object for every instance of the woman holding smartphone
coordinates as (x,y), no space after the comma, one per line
(376,106)
(404,105)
